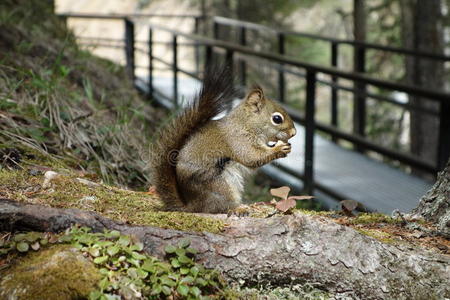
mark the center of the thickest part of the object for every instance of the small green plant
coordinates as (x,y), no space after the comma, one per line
(126,270)
(22,242)
(192,278)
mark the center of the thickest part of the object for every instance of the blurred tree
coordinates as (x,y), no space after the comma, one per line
(422,30)
(269,12)
(272,13)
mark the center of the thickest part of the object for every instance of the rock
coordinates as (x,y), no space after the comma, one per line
(60,272)
(48,177)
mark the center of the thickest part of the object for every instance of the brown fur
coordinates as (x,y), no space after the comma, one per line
(213,156)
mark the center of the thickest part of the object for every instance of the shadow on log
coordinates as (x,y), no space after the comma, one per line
(279,250)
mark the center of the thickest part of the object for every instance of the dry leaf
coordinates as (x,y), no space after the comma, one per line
(281,192)
(286,204)
(349,205)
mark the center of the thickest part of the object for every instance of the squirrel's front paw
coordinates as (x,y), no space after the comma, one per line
(282,149)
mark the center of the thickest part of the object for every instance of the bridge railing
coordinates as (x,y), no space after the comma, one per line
(307,118)
(360,50)
(243,26)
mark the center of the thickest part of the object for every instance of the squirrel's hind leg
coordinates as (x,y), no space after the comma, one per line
(207,189)
(215,196)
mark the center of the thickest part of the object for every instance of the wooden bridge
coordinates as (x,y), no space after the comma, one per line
(317,165)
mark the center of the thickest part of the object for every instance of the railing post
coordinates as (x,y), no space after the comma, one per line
(309,130)
(150,62)
(444,135)
(215,30)
(359,108)
(196,25)
(281,82)
(229,60)
(208,56)
(242,64)
(334,90)
(129,48)
(175,69)
(196,50)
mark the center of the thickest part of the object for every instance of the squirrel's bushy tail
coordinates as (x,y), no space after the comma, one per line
(216,96)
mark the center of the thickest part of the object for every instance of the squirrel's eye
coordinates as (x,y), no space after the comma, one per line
(277,118)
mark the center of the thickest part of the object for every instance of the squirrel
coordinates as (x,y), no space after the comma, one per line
(198,163)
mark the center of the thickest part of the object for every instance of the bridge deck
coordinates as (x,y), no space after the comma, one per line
(376,185)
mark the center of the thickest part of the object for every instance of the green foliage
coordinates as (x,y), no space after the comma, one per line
(125,269)
(129,272)
(22,242)
(307,49)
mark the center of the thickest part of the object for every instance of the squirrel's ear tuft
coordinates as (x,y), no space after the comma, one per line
(255,99)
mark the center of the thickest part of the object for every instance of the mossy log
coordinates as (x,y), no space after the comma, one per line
(279,250)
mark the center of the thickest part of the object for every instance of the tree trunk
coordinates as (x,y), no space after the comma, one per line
(277,251)
(422,31)
(435,205)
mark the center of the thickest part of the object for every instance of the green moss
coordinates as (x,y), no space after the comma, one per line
(309,212)
(373,218)
(377,234)
(10,179)
(128,206)
(297,291)
(181,221)
(34,157)
(59,272)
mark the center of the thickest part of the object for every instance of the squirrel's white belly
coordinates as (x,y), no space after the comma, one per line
(234,176)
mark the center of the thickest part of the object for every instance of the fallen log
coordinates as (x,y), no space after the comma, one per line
(279,250)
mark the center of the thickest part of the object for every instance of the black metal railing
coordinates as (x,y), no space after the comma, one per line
(310,72)
(360,58)
(243,26)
